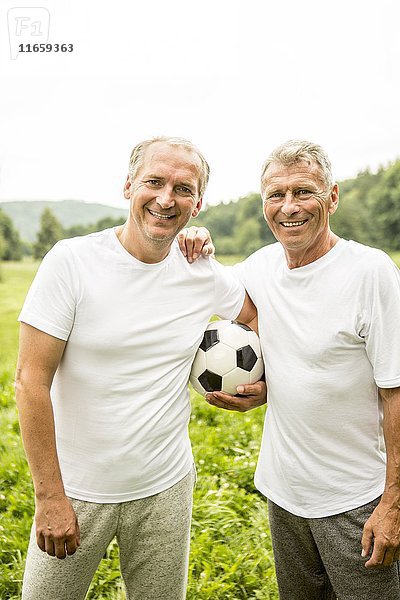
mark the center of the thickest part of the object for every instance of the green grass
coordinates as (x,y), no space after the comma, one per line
(230,259)
(15,279)
(231,557)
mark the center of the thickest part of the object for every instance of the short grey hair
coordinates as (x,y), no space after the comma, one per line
(295,151)
(137,158)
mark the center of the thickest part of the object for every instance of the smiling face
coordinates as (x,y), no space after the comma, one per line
(297,205)
(163,196)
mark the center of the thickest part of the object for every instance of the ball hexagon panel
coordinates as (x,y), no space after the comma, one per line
(210,381)
(220,359)
(234,336)
(246,358)
(210,339)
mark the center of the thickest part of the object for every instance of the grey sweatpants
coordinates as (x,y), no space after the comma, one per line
(320,559)
(153,537)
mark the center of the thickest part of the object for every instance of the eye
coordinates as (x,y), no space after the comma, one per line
(181,189)
(155,182)
(275,196)
(304,192)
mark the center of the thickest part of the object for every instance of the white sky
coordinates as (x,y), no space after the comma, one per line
(236,78)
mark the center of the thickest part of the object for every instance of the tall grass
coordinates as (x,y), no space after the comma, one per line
(231,555)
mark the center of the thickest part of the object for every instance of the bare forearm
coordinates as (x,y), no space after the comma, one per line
(37,429)
(381,536)
(57,528)
(391,428)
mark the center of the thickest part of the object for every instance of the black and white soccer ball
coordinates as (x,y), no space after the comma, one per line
(229,355)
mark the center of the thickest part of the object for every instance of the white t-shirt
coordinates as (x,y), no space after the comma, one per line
(330,334)
(120,397)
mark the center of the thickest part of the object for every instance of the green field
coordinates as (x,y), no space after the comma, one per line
(231,555)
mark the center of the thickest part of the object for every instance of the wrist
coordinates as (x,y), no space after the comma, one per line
(43,493)
(391,494)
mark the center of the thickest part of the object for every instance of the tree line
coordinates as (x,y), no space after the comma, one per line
(369,212)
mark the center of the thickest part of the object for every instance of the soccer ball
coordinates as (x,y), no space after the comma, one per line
(229,355)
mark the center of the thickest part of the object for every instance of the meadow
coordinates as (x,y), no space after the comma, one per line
(231,556)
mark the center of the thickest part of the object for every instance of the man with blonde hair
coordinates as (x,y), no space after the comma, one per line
(329,324)
(109,330)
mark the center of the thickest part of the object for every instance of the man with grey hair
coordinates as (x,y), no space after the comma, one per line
(329,324)
(109,330)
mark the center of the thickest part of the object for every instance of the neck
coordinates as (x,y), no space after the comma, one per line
(147,251)
(300,257)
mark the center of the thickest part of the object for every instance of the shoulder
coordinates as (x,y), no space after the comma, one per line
(374,269)
(367,258)
(76,246)
(204,264)
(266,253)
(86,241)
(265,256)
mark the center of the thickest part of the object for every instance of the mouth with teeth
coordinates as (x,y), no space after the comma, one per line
(293,223)
(160,216)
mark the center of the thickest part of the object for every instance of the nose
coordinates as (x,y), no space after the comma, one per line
(289,206)
(165,198)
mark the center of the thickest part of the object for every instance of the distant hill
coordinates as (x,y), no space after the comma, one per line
(26,214)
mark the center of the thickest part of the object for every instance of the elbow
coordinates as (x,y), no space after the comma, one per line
(22,387)
(18,387)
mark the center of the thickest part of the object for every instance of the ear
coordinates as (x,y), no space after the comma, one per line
(263,209)
(334,199)
(197,208)
(127,188)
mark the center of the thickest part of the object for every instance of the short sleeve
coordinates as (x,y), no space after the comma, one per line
(229,291)
(51,300)
(382,335)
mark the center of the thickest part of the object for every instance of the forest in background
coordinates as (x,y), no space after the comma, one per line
(369,212)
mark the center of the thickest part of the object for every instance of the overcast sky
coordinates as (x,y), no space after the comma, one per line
(236,78)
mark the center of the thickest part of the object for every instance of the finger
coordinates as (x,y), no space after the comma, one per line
(49,546)
(377,556)
(59,548)
(389,557)
(181,237)
(40,541)
(208,249)
(225,401)
(366,541)
(223,405)
(254,389)
(201,238)
(71,545)
(217,400)
(222,397)
(189,241)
